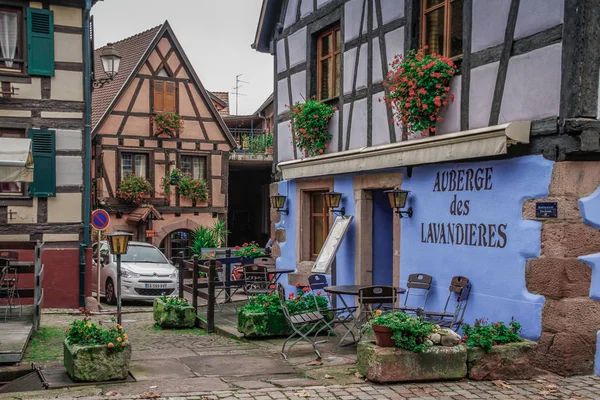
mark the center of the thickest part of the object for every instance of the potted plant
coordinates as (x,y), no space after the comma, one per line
(310,126)
(173,312)
(168,124)
(93,353)
(206,240)
(133,189)
(249,250)
(401,330)
(496,351)
(187,187)
(417,87)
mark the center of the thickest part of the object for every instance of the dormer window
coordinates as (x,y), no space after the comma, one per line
(11,47)
(441,26)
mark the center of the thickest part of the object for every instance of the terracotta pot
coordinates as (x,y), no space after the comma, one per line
(383,336)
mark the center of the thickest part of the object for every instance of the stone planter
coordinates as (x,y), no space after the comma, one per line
(257,325)
(392,364)
(96,363)
(174,316)
(383,336)
(507,361)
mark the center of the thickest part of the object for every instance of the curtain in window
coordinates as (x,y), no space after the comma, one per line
(198,168)
(140,165)
(9,33)
(126,165)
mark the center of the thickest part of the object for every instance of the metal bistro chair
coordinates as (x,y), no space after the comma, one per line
(221,286)
(343,316)
(458,296)
(303,325)
(257,280)
(418,287)
(372,298)
(8,287)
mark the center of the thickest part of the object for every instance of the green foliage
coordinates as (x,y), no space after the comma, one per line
(171,180)
(209,237)
(187,187)
(249,250)
(417,87)
(133,188)
(84,332)
(45,345)
(299,303)
(173,301)
(168,123)
(257,144)
(409,332)
(220,232)
(310,124)
(485,335)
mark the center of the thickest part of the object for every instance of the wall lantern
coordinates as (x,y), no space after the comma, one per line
(111,60)
(119,243)
(277,202)
(397,199)
(332,200)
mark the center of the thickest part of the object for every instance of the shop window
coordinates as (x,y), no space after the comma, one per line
(442,24)
(136,164)
(319,223)
(328,64)
(194,166)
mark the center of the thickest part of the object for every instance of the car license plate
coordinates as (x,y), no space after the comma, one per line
(155,286)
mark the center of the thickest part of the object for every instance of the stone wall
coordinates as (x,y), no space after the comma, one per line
(570,318)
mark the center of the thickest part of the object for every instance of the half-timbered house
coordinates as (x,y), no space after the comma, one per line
(156,78)
(43,94)
(505,193)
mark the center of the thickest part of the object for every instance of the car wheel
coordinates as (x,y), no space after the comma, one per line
(110,292)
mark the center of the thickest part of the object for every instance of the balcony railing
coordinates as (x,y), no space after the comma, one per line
(252,141)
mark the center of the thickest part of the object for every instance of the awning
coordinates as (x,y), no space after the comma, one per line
(142,213)
(475,143)
(16,160)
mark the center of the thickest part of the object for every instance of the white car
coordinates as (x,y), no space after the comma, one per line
(145,273)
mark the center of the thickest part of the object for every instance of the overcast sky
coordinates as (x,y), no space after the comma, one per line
(215,34)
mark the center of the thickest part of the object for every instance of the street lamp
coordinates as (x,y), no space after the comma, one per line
(118,243)
(277,202)
(332,201)
(397,199)
(111,59)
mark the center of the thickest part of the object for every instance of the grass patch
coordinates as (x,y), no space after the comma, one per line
(46,345)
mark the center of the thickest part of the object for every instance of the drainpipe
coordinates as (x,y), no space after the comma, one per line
(87,147)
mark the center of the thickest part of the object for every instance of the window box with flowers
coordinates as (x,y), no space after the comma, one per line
(134,189)
(173,312)
(192,189)
(310,126)
(417,87)
(167,124)
(93,353)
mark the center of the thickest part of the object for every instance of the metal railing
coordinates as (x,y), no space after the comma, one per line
(253,141)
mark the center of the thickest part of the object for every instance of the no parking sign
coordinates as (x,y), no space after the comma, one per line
(100,219)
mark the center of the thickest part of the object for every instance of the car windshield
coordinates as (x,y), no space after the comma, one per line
(143,254)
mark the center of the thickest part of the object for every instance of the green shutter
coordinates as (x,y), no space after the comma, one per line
(40,42)
(44,163)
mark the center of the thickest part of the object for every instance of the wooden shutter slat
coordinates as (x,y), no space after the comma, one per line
(159,96)
(44,163)
(40,42)
(170,91)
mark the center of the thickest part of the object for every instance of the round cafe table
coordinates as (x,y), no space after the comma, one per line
(353,290)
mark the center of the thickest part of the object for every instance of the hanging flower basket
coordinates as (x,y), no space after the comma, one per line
(417,87)
(310,124)
(168,124)
(134,188)
(187,187)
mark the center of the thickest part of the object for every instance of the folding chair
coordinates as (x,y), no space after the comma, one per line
(372,298)
(257,280)
(418,287)
(303,325)
(343,316)
(10,255)
(265,261)
(458,296)
(221,284)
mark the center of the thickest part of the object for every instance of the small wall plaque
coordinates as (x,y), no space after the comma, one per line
(546,210)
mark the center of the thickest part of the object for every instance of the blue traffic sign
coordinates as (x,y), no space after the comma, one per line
(100,219)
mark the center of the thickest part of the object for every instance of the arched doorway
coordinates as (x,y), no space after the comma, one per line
(177,241)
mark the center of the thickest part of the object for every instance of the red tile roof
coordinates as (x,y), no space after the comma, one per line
(131,49)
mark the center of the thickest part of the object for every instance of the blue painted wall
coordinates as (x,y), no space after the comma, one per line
(383,239)
(493,207)
(288,222)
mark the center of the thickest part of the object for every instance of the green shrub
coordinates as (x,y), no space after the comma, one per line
(84,332)
(485,335)
(409,333)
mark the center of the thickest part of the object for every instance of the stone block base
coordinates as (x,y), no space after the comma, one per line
(391,364)
(96,363)
(509,361)
(256,325)
(174,316)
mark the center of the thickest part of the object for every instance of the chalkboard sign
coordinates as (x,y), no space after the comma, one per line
(546,210)
(331,245)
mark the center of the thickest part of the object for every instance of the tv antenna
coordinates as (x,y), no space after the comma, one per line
(237,87)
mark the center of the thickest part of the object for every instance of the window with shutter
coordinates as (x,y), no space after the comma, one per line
(43,143)
(40,42)
(170,89)
(165,94)
(159,99)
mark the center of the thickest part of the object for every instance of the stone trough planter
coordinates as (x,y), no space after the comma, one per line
(96,363)
(257,325)
(508,361)
(392,364)
(174,316)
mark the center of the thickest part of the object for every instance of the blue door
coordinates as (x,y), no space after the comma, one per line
(383,239)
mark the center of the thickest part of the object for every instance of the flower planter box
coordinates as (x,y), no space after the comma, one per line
(392,364)
(174,316)
(96,363)
(257,325)
(507,361)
